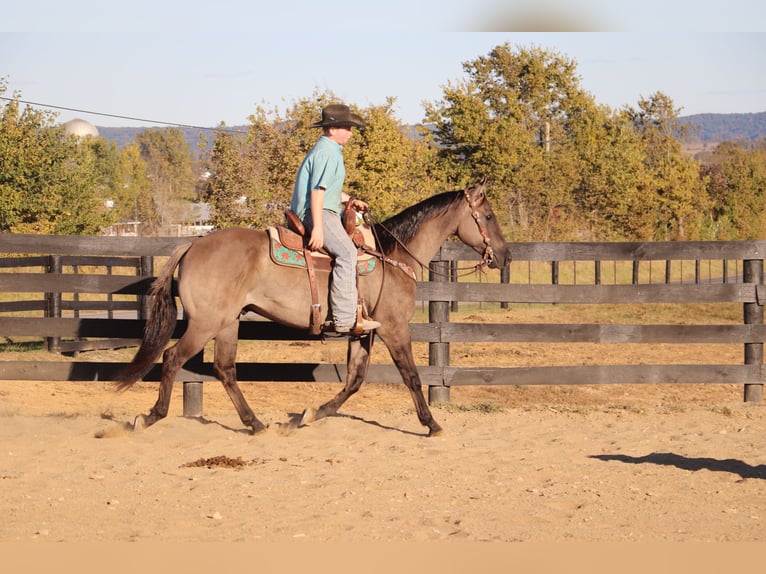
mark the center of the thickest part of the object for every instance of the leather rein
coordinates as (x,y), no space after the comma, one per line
(486,258)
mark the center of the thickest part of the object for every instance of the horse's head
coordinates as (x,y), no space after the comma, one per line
(480,230)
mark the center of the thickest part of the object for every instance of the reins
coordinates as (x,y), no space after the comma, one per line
(487,256)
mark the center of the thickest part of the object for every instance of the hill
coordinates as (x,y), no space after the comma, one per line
(726,127)
(706,128)
(197,139)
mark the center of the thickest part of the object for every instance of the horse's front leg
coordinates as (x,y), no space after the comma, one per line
(357,359)
(401,353)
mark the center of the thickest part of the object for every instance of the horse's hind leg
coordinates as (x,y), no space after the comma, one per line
(358,361)
(191,343)
(226,370)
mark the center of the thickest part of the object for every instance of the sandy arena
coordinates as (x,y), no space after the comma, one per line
(545,464)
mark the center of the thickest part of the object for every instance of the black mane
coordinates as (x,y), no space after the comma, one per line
(405,225)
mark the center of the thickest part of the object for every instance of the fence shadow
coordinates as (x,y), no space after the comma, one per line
(731,465)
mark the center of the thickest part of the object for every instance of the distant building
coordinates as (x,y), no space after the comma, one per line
(80,128)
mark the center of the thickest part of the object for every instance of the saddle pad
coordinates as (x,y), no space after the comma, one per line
(289,257)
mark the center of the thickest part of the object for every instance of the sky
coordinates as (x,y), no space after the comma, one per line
(192,64)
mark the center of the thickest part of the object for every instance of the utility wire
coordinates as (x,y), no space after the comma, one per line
(225,130)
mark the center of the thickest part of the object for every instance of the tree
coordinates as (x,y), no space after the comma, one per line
(130,189)
(253,177)
(169,170)
(514,119)
(736,185)
(675,194)
(49,182)
(390,168)
(227,183)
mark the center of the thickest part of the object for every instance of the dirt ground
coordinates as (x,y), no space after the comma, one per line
(537,464)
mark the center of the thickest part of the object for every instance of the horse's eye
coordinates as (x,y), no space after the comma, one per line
(489,216)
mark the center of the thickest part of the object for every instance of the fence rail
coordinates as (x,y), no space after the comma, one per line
(66,271)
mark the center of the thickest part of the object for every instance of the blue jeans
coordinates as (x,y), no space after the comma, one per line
(343,296)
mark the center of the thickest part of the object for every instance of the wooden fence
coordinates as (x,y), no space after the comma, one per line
(580,273)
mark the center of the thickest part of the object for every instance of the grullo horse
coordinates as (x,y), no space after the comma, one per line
(230,271)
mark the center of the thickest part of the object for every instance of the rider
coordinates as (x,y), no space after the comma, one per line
(317,199)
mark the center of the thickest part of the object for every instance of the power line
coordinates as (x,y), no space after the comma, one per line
(121,117)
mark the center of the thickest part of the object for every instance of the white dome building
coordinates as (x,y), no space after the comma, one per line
(80,128)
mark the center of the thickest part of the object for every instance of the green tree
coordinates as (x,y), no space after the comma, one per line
(514,118)
(170,173)
(49,182)
(736,185)
(252,176)
(130,188)
(227,183)
(612,195)
(675,195)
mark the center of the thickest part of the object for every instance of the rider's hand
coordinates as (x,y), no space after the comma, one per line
(358,204)
(316,241)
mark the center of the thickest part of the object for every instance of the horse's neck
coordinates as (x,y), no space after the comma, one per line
(430,237)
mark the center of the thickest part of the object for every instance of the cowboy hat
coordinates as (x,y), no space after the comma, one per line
(336,115)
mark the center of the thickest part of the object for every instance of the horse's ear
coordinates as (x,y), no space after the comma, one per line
(475,192)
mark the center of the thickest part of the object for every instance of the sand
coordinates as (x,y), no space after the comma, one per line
(539,464)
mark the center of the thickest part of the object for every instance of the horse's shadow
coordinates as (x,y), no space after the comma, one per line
(731,465)
(295,419)
(293,423)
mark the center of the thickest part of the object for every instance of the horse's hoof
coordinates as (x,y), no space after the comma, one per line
(139,423)
(257,429)
(309,416)
(436,432)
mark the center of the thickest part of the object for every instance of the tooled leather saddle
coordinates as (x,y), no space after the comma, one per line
(289,243)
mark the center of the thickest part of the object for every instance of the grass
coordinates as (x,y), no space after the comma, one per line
(612,272)
(21,346)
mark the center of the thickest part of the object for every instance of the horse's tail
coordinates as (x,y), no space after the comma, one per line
(159,326)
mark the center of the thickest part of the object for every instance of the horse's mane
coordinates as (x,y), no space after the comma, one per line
(405,225)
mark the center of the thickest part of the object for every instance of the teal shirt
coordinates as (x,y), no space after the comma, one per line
(322,167)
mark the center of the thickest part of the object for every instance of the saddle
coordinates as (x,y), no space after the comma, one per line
(289,247)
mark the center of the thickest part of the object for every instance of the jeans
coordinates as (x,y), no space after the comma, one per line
(343,295)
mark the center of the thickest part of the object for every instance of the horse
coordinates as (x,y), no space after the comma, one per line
(229,272)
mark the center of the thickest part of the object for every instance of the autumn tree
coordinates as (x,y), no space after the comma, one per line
(392,168)
(253,176)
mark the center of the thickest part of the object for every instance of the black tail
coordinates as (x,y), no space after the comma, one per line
(159,326)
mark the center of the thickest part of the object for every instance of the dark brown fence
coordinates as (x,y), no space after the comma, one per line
(47,276)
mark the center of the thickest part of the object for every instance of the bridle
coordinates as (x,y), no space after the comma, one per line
(487,256)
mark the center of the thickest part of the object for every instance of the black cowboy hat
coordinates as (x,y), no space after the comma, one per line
(336,115)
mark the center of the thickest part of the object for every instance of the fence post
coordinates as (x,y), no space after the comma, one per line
(752,272)
(146,269)
(453,277)
(505,279)
(53,303)
(192,397)
(438,312)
